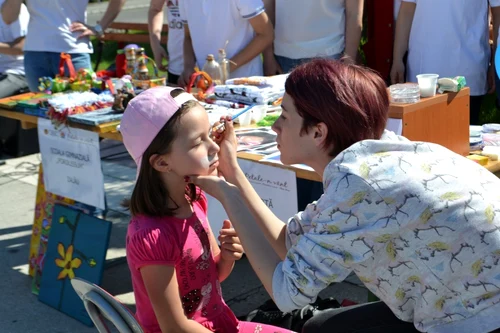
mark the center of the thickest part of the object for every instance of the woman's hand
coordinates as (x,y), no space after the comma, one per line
(216,186)
(160,54)
(230,245)
(84,29)
(226,139)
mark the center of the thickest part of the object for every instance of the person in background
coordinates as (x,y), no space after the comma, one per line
(240,26)
(12,80)
(448,38)
(175,43)
(57,26)
(306,30)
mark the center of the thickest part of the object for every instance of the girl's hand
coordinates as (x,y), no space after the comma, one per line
(226,139)
(231,248)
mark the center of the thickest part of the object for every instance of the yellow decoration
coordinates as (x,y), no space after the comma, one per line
(67,263)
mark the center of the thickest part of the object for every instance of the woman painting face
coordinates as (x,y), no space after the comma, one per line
(294,147)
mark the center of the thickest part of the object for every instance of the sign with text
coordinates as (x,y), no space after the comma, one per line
(277,187)
(71,163)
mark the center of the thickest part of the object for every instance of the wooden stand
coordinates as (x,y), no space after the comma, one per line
(442,119)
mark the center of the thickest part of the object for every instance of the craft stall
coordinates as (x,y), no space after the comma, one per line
(73,113)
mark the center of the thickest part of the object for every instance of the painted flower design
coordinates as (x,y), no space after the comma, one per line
(67,263)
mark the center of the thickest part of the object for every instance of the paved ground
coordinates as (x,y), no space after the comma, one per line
(22,312)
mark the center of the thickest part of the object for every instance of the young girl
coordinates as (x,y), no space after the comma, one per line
(174,259)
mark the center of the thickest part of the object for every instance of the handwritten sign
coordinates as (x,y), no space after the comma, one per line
(276,187)
(71,163)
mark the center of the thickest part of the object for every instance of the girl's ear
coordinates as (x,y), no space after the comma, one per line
(158,163)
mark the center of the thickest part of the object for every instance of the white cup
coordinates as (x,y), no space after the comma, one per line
(427,84)
(245,119)
(259,112)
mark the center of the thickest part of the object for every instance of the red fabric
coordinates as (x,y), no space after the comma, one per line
(121,65)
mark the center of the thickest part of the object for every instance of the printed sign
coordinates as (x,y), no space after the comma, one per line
(277,187)
(71,163)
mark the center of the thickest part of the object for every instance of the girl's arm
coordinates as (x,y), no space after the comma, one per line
(264,36)
(163,291)
(224,267)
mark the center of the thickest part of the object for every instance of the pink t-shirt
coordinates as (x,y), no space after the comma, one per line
(183,243)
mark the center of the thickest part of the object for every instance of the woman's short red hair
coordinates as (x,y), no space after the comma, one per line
(351,100)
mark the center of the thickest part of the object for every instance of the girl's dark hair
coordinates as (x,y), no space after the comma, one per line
(150,197)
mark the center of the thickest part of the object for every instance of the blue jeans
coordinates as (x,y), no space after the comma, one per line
(287,64)
(39,64)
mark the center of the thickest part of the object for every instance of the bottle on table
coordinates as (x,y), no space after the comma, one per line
(212,68)
(224,66)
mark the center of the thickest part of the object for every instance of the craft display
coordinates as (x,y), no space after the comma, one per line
(64,105)
(124,93)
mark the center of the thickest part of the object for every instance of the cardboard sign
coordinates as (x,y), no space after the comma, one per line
(277,187)
(71,163)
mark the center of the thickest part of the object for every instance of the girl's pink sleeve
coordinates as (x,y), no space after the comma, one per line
(152,247)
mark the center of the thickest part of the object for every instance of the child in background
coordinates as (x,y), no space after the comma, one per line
(241,27)
(173,256)
(175,38)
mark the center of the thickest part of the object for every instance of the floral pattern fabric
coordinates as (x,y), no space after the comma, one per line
(417,223)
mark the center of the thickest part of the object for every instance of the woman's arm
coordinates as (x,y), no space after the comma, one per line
(353,27)
(273,229)
(189,58)
(264,36)
(11,10)
(163,291)
(403,28)
(259,251)
(14,48)
(155,23)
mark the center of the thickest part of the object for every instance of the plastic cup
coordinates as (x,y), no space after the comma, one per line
(427,84)
(259,112)
(245,119)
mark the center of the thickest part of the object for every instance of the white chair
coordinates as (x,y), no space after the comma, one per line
(100,304)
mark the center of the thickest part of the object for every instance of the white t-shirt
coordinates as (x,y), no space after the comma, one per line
(213,22)
(450,38)
(9,33)
(175,43)
(49,27)
(308,29)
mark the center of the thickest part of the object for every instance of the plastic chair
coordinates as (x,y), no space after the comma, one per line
(100,304)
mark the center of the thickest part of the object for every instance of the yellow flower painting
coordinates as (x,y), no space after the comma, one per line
(67,263)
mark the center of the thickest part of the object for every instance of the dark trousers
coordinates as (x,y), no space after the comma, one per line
(373,317)
(172,79)
(365,318)
(475,109)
